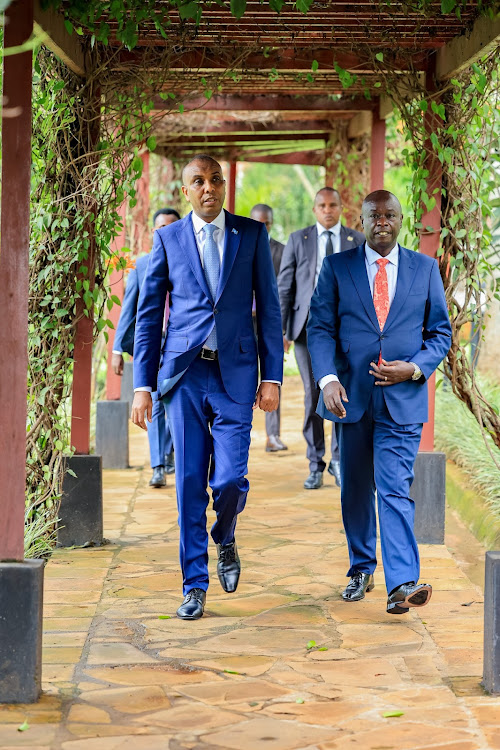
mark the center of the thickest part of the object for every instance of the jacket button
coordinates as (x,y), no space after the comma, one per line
(215,311)
(382,336)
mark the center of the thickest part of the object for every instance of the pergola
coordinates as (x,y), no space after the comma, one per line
(275,95)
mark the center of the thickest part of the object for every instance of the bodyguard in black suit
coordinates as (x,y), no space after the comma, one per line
(264,213)
(300,266)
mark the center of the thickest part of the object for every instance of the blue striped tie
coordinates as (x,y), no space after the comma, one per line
(211,265)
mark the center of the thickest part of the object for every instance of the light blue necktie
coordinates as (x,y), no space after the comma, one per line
(211,265)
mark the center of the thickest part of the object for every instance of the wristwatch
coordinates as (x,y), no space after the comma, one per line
(417,373)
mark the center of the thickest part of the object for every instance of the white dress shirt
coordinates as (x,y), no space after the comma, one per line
(321,249)
(371,257)
(219,237)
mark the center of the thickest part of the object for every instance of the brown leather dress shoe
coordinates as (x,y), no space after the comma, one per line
(408,595)
(274,443)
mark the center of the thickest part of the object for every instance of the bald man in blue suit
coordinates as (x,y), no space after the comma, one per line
(212,263)
(374,343)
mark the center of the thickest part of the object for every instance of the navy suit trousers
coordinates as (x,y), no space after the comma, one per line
(211,435)
(378,454)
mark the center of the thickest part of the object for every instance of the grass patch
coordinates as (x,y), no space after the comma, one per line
(459,436)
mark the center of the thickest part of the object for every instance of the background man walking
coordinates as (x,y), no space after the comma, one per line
(300,266)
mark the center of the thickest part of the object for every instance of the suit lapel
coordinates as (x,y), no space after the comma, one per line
(310,239)
(406,273)
(231,245)
(355,263)
(187,241)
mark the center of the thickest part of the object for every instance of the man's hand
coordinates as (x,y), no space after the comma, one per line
(333,395)
(389,373)
(286,344)
(268,397)
(142,405)
(117,363)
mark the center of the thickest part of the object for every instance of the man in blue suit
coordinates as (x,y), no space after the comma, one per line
(377,330)
(161,449)
(211,263)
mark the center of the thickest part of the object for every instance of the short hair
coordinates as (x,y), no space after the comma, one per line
(327,190)
(380,195)
(166,212)
(262,207)
(206,158)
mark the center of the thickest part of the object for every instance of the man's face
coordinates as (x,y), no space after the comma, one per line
(205,189)
(382,219)
(265,217)
(327,208)
(163,220)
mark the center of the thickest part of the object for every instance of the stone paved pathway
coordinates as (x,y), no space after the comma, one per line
(282,664)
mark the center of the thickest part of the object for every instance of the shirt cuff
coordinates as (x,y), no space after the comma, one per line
(327,379)
(115,351)
(278,382)
(144,388)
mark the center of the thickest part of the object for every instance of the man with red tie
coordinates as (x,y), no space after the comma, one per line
(378,328)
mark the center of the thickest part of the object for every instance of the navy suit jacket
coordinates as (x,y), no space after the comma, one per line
(124,336)
(344,336)
(175,267)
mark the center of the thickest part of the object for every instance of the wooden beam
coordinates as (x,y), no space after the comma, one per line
(66,47)
(290,127)
(270,103)
(299,157)
(361,124)
(465,49)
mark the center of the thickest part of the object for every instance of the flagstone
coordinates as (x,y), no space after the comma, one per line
(69,610)
(247,665)
(264,641)
(269,733)
(61,654)
(246,606)
(233,691)
(37,734)
(66,624)
(374,672)
(64,639)
(117,653)
(402,736)
(159,674)
(288,616)
(86,714)
(186,716)
(126,742)
(129,700)
(331,713)
(388,635)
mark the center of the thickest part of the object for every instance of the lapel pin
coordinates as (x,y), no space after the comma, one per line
(234,231)
(350,238)
(305,236)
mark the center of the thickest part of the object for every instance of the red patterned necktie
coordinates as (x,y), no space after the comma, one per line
(381,295)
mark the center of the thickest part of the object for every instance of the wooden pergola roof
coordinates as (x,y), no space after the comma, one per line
(284,67)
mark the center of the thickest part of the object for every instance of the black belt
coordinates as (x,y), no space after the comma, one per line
(209,354)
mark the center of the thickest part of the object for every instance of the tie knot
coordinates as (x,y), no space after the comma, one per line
(382,262)
(327,233)
(209,230)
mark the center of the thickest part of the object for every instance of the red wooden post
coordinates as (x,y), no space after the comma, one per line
(377,152)
(231,187)
(14,273)
(116,282)
(429,239)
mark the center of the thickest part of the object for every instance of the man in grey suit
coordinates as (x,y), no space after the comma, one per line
(264,213)
(300,266)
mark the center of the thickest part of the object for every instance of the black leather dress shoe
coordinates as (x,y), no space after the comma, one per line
(408,595)
(359,584)
(158,478)
(314,481)
(334,470)
(169,463)
(274,443)
(193,605)
(228,566)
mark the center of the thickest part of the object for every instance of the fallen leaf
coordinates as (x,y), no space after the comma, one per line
(24,726)
(299,700)
(164,617)
(311,644)
(391,714)
(323,648)
(230,671)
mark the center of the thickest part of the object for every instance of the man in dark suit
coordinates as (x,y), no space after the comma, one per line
(377,330)
(264,213)
(212,264)
(300,267)
(161,450)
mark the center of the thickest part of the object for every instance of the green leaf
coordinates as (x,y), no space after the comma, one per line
(69,26)
(391,714)
(59,445)
(24,726)
(238,8)
(303,5)
(447,6)
(230,671)
(164,617)
(323,648)
(151,142)
(314,66)
(311,644)
(379,56)
(181,108)
(299,700)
